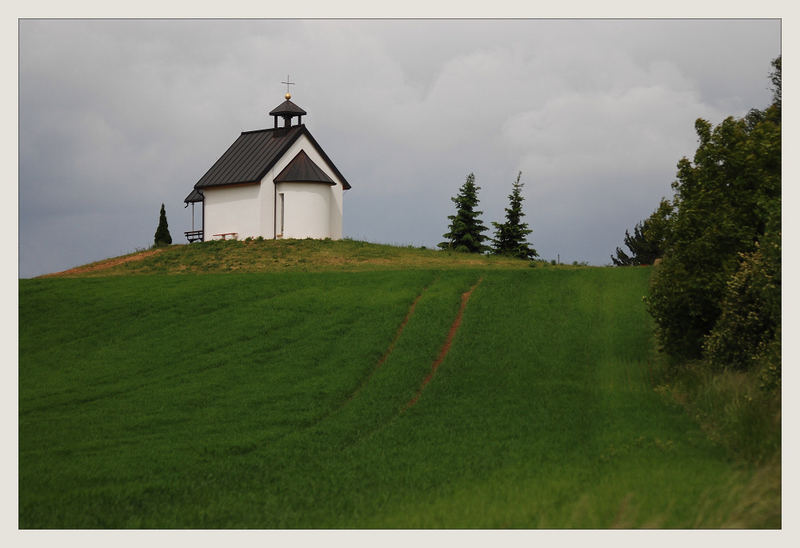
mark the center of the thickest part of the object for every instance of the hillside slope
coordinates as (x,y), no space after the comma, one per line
(326,400)
(285,255)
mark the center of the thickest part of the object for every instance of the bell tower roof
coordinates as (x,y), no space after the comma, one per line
(287,110)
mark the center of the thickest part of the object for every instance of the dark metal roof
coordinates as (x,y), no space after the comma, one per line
(287,107)
(249,158)
(254,153)
(303,169)
(194,196)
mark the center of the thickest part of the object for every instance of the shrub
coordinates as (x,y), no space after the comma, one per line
(750,317)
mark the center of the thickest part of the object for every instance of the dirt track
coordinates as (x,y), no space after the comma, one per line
(102,265)
(447,343)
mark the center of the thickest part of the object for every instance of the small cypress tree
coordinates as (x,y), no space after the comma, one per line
(511,236)
(162,236)
(465,227)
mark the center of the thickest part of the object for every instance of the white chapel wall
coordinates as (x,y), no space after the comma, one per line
(267,204)
(329,212)
(335,208)
(232,209)
(306,209)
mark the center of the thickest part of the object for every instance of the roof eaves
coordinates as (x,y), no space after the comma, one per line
(325,157)
(287,107)
(196,195)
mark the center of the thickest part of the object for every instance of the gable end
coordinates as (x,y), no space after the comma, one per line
(303,169)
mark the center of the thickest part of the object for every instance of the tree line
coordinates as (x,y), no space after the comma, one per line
(466,230)
(716,296)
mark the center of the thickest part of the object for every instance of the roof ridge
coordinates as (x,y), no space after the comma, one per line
(268,129)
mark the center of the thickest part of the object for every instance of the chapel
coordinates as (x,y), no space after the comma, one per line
(274,183)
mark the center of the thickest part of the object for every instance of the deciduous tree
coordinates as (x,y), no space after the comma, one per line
(725,200)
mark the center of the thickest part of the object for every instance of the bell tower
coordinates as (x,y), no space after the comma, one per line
(287,110)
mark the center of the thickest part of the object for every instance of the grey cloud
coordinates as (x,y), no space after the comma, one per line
(119,116)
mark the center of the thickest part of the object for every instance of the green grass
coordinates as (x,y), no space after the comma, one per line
(219,256)
(259,400)
(732,407)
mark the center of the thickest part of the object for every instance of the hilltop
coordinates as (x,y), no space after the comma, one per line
(287,255)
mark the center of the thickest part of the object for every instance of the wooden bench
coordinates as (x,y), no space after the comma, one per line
(224,235)
(194,235)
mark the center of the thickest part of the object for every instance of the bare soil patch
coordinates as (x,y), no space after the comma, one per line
(103,265)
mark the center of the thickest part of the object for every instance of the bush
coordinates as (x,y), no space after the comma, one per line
(684,306)
(750,316)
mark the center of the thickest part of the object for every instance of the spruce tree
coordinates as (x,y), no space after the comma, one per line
(465,227)
(511,236)
(162,236)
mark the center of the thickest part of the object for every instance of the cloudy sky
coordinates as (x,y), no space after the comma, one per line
(118,116)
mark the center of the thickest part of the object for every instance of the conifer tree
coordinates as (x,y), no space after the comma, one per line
(511,236)
(465,227)
(643,251)
(162,236)
(648,240)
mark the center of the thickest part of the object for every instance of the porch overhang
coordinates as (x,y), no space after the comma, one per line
(196,195)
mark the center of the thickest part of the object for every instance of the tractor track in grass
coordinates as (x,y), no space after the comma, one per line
(439,358)
(365,380)
(392,344)
(448,342)
(443,351)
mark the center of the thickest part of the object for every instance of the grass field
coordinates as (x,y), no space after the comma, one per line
(266,400)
